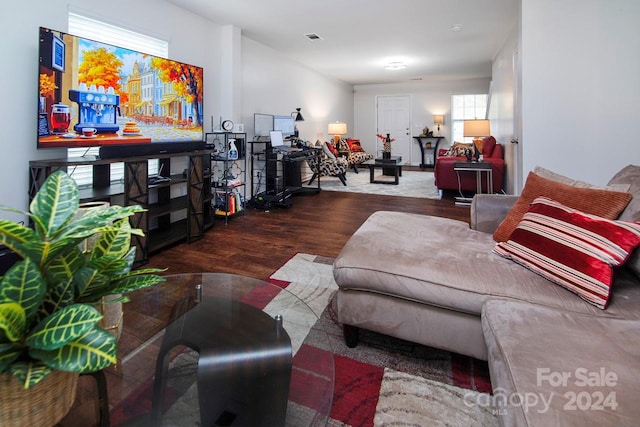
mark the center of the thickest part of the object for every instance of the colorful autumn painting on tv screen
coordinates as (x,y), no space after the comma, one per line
(92,93)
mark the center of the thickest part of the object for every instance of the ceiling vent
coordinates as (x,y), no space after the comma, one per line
(313,36)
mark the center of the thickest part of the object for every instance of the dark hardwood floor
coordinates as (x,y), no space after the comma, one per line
(256,245)
(259,242)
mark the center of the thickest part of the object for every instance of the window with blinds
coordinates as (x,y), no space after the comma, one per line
(107,33)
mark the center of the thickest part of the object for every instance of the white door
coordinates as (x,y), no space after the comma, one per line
(513,153)
(394,118)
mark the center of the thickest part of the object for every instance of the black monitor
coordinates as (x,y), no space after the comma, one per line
(262,124)
(285,124)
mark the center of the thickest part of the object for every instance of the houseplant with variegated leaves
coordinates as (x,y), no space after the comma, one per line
(48,319)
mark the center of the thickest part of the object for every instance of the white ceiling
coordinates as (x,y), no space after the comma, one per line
(361,36)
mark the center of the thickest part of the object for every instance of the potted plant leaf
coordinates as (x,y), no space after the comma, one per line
(48,320)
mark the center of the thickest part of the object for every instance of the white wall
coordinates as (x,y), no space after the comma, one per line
(192,39)
(581,86)
(501,111)
(427,99)
(230,99)
(273,84)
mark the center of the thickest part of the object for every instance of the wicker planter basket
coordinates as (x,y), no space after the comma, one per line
(44,404)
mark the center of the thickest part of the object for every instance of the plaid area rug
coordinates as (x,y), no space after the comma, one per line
(384,380)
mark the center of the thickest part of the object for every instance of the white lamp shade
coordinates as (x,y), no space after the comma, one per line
(476,128)
(337,128)
(438,119)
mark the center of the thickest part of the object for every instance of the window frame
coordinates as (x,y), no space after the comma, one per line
(467,107)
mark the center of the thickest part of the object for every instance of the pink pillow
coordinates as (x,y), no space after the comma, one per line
(575,250)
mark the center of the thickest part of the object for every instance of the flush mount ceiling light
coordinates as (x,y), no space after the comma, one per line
(395,65)
(456,27)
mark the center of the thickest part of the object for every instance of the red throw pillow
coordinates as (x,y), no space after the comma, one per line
(575,250)
(333,149)
(354,146)
(352,142)
(607,204)
(488,144)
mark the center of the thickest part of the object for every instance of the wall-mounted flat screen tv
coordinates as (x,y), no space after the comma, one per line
(94,94)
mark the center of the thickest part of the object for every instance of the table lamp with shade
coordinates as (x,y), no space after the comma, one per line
(477,129)
(336,129)
(438,119)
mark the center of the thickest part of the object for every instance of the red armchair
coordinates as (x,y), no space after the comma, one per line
(447,179)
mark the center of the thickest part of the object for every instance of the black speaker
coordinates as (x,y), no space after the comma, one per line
(134,150)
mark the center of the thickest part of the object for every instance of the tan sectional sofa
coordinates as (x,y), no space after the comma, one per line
(437,282)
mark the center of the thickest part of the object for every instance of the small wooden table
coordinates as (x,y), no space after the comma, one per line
(391,166)
(428,150)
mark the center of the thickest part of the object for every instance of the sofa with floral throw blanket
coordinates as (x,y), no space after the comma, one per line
(447,179)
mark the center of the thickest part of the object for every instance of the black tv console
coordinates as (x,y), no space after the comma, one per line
(161,229)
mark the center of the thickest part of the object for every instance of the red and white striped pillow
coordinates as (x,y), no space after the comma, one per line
(571,248)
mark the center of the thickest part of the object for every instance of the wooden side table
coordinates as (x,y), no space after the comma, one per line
(478,168)
(427,148)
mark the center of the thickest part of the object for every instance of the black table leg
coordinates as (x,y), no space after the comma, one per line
(103,398)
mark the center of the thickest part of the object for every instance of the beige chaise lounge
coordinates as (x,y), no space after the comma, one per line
(437,282)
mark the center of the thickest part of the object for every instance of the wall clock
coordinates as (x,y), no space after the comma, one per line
(227,125)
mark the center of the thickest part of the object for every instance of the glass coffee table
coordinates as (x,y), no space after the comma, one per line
(219,349)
